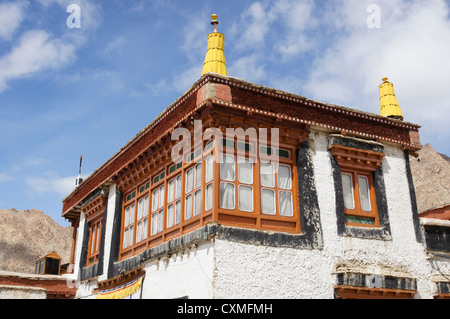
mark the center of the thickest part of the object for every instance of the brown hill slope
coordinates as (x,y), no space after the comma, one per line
(27,235)
(431,175)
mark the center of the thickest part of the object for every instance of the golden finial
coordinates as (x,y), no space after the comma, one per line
(214,21)
(389,105)
(215,56)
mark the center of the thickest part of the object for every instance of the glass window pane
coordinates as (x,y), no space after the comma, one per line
(364,193)
(97,247)
(188,207)
(208,197)
(227,168)
(161,196)
(267,175)
(140,209)
(160,221)
(130,238)
(125,238)
(170,211)
(285,202)
(177,212)
(227,195)
(132,212)
(284,177)
(139,232)
(245,171)
(178,188)
(171,194)
(154,226)
(145,230)
(197,202)
(198,176)
(347,188)
(146,199)
(189,180)
(268,201)
(127,217)
(245,198)
(155,200)
(92,240)
(209,169)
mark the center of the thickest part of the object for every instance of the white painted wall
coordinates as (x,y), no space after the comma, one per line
(19,292)
(247,271)
(223,269)
(188,273)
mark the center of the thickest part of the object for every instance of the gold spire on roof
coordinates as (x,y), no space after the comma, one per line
(389,105)
(215,56)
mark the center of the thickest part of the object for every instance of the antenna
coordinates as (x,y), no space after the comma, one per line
(79,179)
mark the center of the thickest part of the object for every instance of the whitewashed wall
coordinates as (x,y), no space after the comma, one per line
(224,269)
(248,271)
(18,292)
(186,274)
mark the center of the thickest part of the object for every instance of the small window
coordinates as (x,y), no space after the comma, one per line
(227,200)
(359,202)
(208,197)
(347,186)
(268,201)
(364,193)
(227,168)
(267,175)
(245,198)
(245,171)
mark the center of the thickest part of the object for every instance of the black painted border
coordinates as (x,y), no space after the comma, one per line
(384,231)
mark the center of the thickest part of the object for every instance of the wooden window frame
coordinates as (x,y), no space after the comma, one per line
(96,227)
(350,292)
(165,172)
(256,219)
(93,212)
(358,210)
(359,162)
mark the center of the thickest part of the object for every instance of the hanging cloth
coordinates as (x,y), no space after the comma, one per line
(123,291)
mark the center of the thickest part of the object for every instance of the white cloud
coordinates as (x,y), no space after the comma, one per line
(409,49)
(249,68)
(51,184)
(5,178)
(11,16)
(183,81)
(36,51)
(115,45)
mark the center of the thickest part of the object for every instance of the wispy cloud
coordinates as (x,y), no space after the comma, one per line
(115,46)
(35,52)
(11,16)
(52,184)
(5,178)
(408,46)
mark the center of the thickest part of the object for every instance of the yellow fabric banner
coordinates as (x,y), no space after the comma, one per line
(122,291)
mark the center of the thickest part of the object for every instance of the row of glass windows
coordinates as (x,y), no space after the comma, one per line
(237,184)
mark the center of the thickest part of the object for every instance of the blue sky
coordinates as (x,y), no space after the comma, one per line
(71,91)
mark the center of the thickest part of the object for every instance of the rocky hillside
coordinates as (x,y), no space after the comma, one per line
(431,174)
(28,235)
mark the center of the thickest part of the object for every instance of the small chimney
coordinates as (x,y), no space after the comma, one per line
(79,180)
(389,105)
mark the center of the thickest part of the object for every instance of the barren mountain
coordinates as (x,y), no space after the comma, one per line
(431,175)
(28,235)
